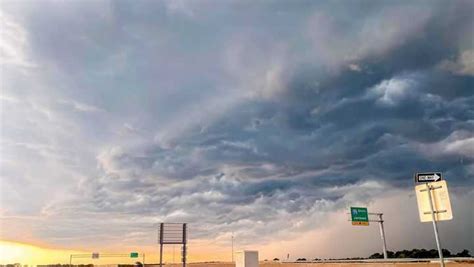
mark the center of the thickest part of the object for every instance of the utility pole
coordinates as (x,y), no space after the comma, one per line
(232,238)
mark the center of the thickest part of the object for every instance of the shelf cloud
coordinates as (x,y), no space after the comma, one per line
(264,119)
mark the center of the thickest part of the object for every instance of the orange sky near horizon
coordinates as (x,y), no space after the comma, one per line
(16,252)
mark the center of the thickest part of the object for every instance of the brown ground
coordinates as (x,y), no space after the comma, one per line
(375,264)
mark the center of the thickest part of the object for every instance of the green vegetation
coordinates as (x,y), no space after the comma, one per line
(420,254)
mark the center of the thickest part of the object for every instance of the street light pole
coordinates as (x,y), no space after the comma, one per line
(232,237)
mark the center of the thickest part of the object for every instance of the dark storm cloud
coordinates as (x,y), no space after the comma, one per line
(238,119)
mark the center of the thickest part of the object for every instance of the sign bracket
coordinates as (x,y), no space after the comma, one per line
(435,226)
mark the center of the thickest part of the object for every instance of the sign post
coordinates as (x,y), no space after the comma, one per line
(161,243)
(232,237)
(360,216)
(437,200)
(435,226)
(382,235)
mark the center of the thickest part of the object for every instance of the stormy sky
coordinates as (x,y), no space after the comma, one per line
(267,119)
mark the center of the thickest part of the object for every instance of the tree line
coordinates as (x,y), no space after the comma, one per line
(414,254)
(420,254)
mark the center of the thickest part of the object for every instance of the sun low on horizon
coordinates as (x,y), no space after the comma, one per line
(15,252)
(29,254)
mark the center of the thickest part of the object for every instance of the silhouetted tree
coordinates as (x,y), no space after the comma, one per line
(376,256)
(446,253)
(420,254)
(464,253)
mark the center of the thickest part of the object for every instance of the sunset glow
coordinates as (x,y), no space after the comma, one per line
(13,252)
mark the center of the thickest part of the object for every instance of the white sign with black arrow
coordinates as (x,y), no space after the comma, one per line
(433,202)
(428,177)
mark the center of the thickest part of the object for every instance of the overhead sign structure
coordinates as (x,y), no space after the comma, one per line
(427,177)
(359,216)
(440,201)
(97,255)
(173,233)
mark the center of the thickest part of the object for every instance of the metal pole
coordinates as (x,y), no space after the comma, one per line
(161,255)
(143,259)
(184,245)
(382,234)
(232,246)
(70,260)
(435,226)
(161,245)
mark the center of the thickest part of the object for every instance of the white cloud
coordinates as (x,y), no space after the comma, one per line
(81,106)
(14,43)
(180,7)
(391,92)
(337,41)
(463,147)
(459,143)
(10,99)
(354,67)
(390,28)
(462,65)
(273,81)
(258,71)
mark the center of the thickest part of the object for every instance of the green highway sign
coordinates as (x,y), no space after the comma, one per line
(359,216)
(134,255)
